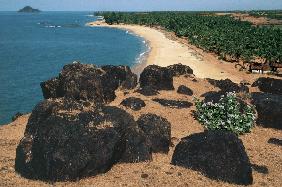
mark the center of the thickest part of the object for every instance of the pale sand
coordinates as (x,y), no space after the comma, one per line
(165,52)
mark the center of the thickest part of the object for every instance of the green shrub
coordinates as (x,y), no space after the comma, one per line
(228,114)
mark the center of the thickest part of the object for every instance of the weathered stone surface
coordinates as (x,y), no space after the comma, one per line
(87,82)
(156,77)
(66,140)
(184,90)
(213,96)
(158,131)
(173,103)
(228,86)
(269,109)
(147,91)
(217,154)
(121,75)
(133,103)
(135,146)
(269,85)
(179,69)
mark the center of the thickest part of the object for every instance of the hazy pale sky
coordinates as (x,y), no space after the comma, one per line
(140,5)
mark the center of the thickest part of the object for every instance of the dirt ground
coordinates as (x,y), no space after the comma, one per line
(159,172)
(252,19)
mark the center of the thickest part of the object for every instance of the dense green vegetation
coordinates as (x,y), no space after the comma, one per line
(229,38)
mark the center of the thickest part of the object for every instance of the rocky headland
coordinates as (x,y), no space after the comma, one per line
(29,9)
(102,126)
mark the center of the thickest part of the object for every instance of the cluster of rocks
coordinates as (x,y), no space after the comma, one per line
(225,86)
(73,133)
(268,102)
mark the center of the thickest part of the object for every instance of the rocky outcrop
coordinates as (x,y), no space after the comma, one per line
(269,85)
(158,131)
(179,69)
(67,140)
(133,103)
(217,154)
(269,109)
(173,103)
(228,86)
(184,90)
(29,9)
(87,82)
(156,77)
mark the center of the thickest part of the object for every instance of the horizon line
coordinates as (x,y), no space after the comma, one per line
(150,10)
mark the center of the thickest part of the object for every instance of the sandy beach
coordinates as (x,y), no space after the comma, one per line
(165,52)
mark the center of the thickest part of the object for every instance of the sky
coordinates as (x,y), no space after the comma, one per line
(140,5)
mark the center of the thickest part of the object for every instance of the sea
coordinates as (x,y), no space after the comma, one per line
(35,46)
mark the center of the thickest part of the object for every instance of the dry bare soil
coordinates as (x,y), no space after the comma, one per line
(267,157)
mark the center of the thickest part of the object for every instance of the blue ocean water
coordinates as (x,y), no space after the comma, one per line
(35,47)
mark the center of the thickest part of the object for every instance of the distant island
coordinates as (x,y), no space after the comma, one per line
(29,9)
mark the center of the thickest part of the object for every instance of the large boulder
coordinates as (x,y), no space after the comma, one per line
(269,85)
(133,103)
(68,140)
(269,109)
(156,77)
(158,131)
(87,82)
(179,69)
(228,86)
(120,75)
(217,154)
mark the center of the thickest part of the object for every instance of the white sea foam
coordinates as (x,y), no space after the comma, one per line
(53,26)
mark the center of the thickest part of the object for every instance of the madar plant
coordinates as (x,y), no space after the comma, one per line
(228,114)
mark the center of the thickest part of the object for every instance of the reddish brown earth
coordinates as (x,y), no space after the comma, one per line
(252,19)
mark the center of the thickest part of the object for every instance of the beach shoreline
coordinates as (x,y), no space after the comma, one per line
(164,52)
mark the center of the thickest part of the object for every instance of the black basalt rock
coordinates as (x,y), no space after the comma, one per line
(228,86)
(173,103)
(184,90)
(269,85)
(156,77)
(158,131)
(133,103)
(269,109)
(217,154)
(88,82)
(66,140)
(179,69)
(147,91)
